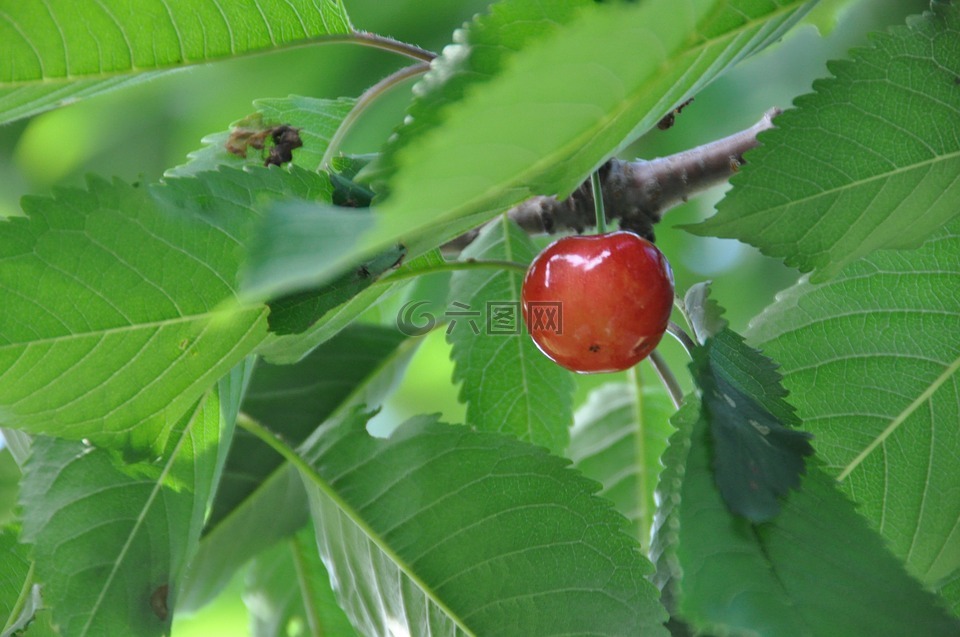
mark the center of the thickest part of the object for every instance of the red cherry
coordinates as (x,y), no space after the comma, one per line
(598,303)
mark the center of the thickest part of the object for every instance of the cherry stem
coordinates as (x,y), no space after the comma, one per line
(666,377)
(682,337)
(597,186)
(366,99)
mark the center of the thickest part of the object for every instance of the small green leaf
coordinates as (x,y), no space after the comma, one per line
(111,541)
(288,349)
(561,105)
(890,176)
(317,119)
(757,457)
(508,385)
(296,313)
(288,588)
(63,50)
(816,570)
(300,245)
(704,315)
(618,438)
(116,316)
(872,361)
(445,530)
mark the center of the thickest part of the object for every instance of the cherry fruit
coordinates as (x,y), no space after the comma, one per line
(598,303)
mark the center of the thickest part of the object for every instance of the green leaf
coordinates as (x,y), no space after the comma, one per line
(757,457)
(297,312)
(562,105)
(508,385)
(619,436)
(294,399)
(115,319)
(890,176)
(31,99)
(301,245)
(64,49)
(111,541)
(19,598)
(444,530)
(285,350)
(317,119)
(260,499)
(817,570)
(871,359)
(703,314)
(288,592)
(9,477)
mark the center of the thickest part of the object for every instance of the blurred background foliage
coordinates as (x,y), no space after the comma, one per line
(137,133)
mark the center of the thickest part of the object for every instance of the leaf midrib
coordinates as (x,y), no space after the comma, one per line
(900,418)
(144,510)
(839,189)
(132,327)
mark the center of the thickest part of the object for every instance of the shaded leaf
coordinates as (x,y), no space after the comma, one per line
(562,105)
(284,350)
(872,360)
(260,499)
(64,51)
(507,384)
(444,530)
(111,541)
(297,312)
(757,457)
(619,436)
(889,119)
(816,570)
(288,592)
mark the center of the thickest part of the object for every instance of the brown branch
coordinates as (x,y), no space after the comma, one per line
(637,193)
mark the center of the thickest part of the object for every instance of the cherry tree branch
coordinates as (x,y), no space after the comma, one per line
(637,193)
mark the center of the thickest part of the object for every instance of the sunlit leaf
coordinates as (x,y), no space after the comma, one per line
(563,104)
(618,438)
(872,361)
(66,50)
(112,324)
(443,530)
(507,384)
(869,160)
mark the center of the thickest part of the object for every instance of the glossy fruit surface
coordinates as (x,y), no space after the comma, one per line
(598,303)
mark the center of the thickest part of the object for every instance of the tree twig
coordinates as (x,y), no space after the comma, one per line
(637,193)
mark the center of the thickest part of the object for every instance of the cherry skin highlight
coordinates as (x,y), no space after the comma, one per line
(598,303)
